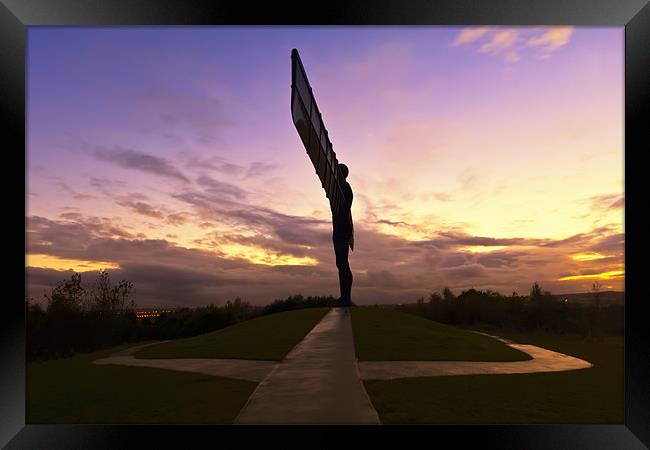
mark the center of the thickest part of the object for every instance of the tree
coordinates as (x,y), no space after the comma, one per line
(448,295)
(537,304)
(67,297)
(536,292)
(62,326)
(111,300)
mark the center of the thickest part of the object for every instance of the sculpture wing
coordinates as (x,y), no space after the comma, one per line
(311,129)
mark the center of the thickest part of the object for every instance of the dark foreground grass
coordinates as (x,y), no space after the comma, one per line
(390,335)
(266,338)
(594,395)
(73,390)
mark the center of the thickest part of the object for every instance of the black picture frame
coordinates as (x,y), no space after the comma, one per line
(634,15)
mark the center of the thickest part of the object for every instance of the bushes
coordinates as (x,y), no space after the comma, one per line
(81,320)
(77,319)
(186,322)
(540,311)
(298,302)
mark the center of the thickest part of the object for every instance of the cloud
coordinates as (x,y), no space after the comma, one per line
(135,160)
(105,185)
(499,41)
(618,203)
(76,195)
(552,40)
(469,181)
(137,203)
(468,35)
(257,169)
(387,267)
(509,44)
(465,272)
(501,258)
(224,203)
(392,222)
(163,273)
(171,114)
(606,202)
(442,196)
(70,215)
(452,239)
(178,219)
(143,208)
(454,260)
(218,188)
(611,244)
(213,163)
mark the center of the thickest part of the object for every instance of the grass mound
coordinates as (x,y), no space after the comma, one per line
(390,335)
(264,338)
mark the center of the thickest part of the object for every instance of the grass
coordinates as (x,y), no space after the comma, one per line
(73,390)
(390,335)
(264,338)
(594,395)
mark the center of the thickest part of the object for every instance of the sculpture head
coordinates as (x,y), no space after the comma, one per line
(344,170)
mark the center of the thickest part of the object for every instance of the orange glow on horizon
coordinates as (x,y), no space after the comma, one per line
(63,264)
(597,276)
(482,248)
(260,255)
(590,256)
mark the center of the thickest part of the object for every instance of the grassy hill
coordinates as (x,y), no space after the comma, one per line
(266,338)
(388,335)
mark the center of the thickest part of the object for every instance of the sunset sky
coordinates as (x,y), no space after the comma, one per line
(487,157)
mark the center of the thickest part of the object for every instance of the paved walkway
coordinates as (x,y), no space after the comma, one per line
(543,361)
(232,368)
(318,381)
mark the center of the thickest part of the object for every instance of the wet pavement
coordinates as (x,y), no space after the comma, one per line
(232,368)
(318,381)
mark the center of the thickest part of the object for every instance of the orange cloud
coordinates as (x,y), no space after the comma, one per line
(510,43)
(63,264)
(613,274)
(553,39)
(259,255)
(589,256)
(468,35)
(501,40)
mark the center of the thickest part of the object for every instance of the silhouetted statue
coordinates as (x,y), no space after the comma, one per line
(311,129)
(343,237)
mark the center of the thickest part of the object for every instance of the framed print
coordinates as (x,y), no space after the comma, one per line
(394,221)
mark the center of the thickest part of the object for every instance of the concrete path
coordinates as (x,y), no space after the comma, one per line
(543,361)
(232,368)
(318,381)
